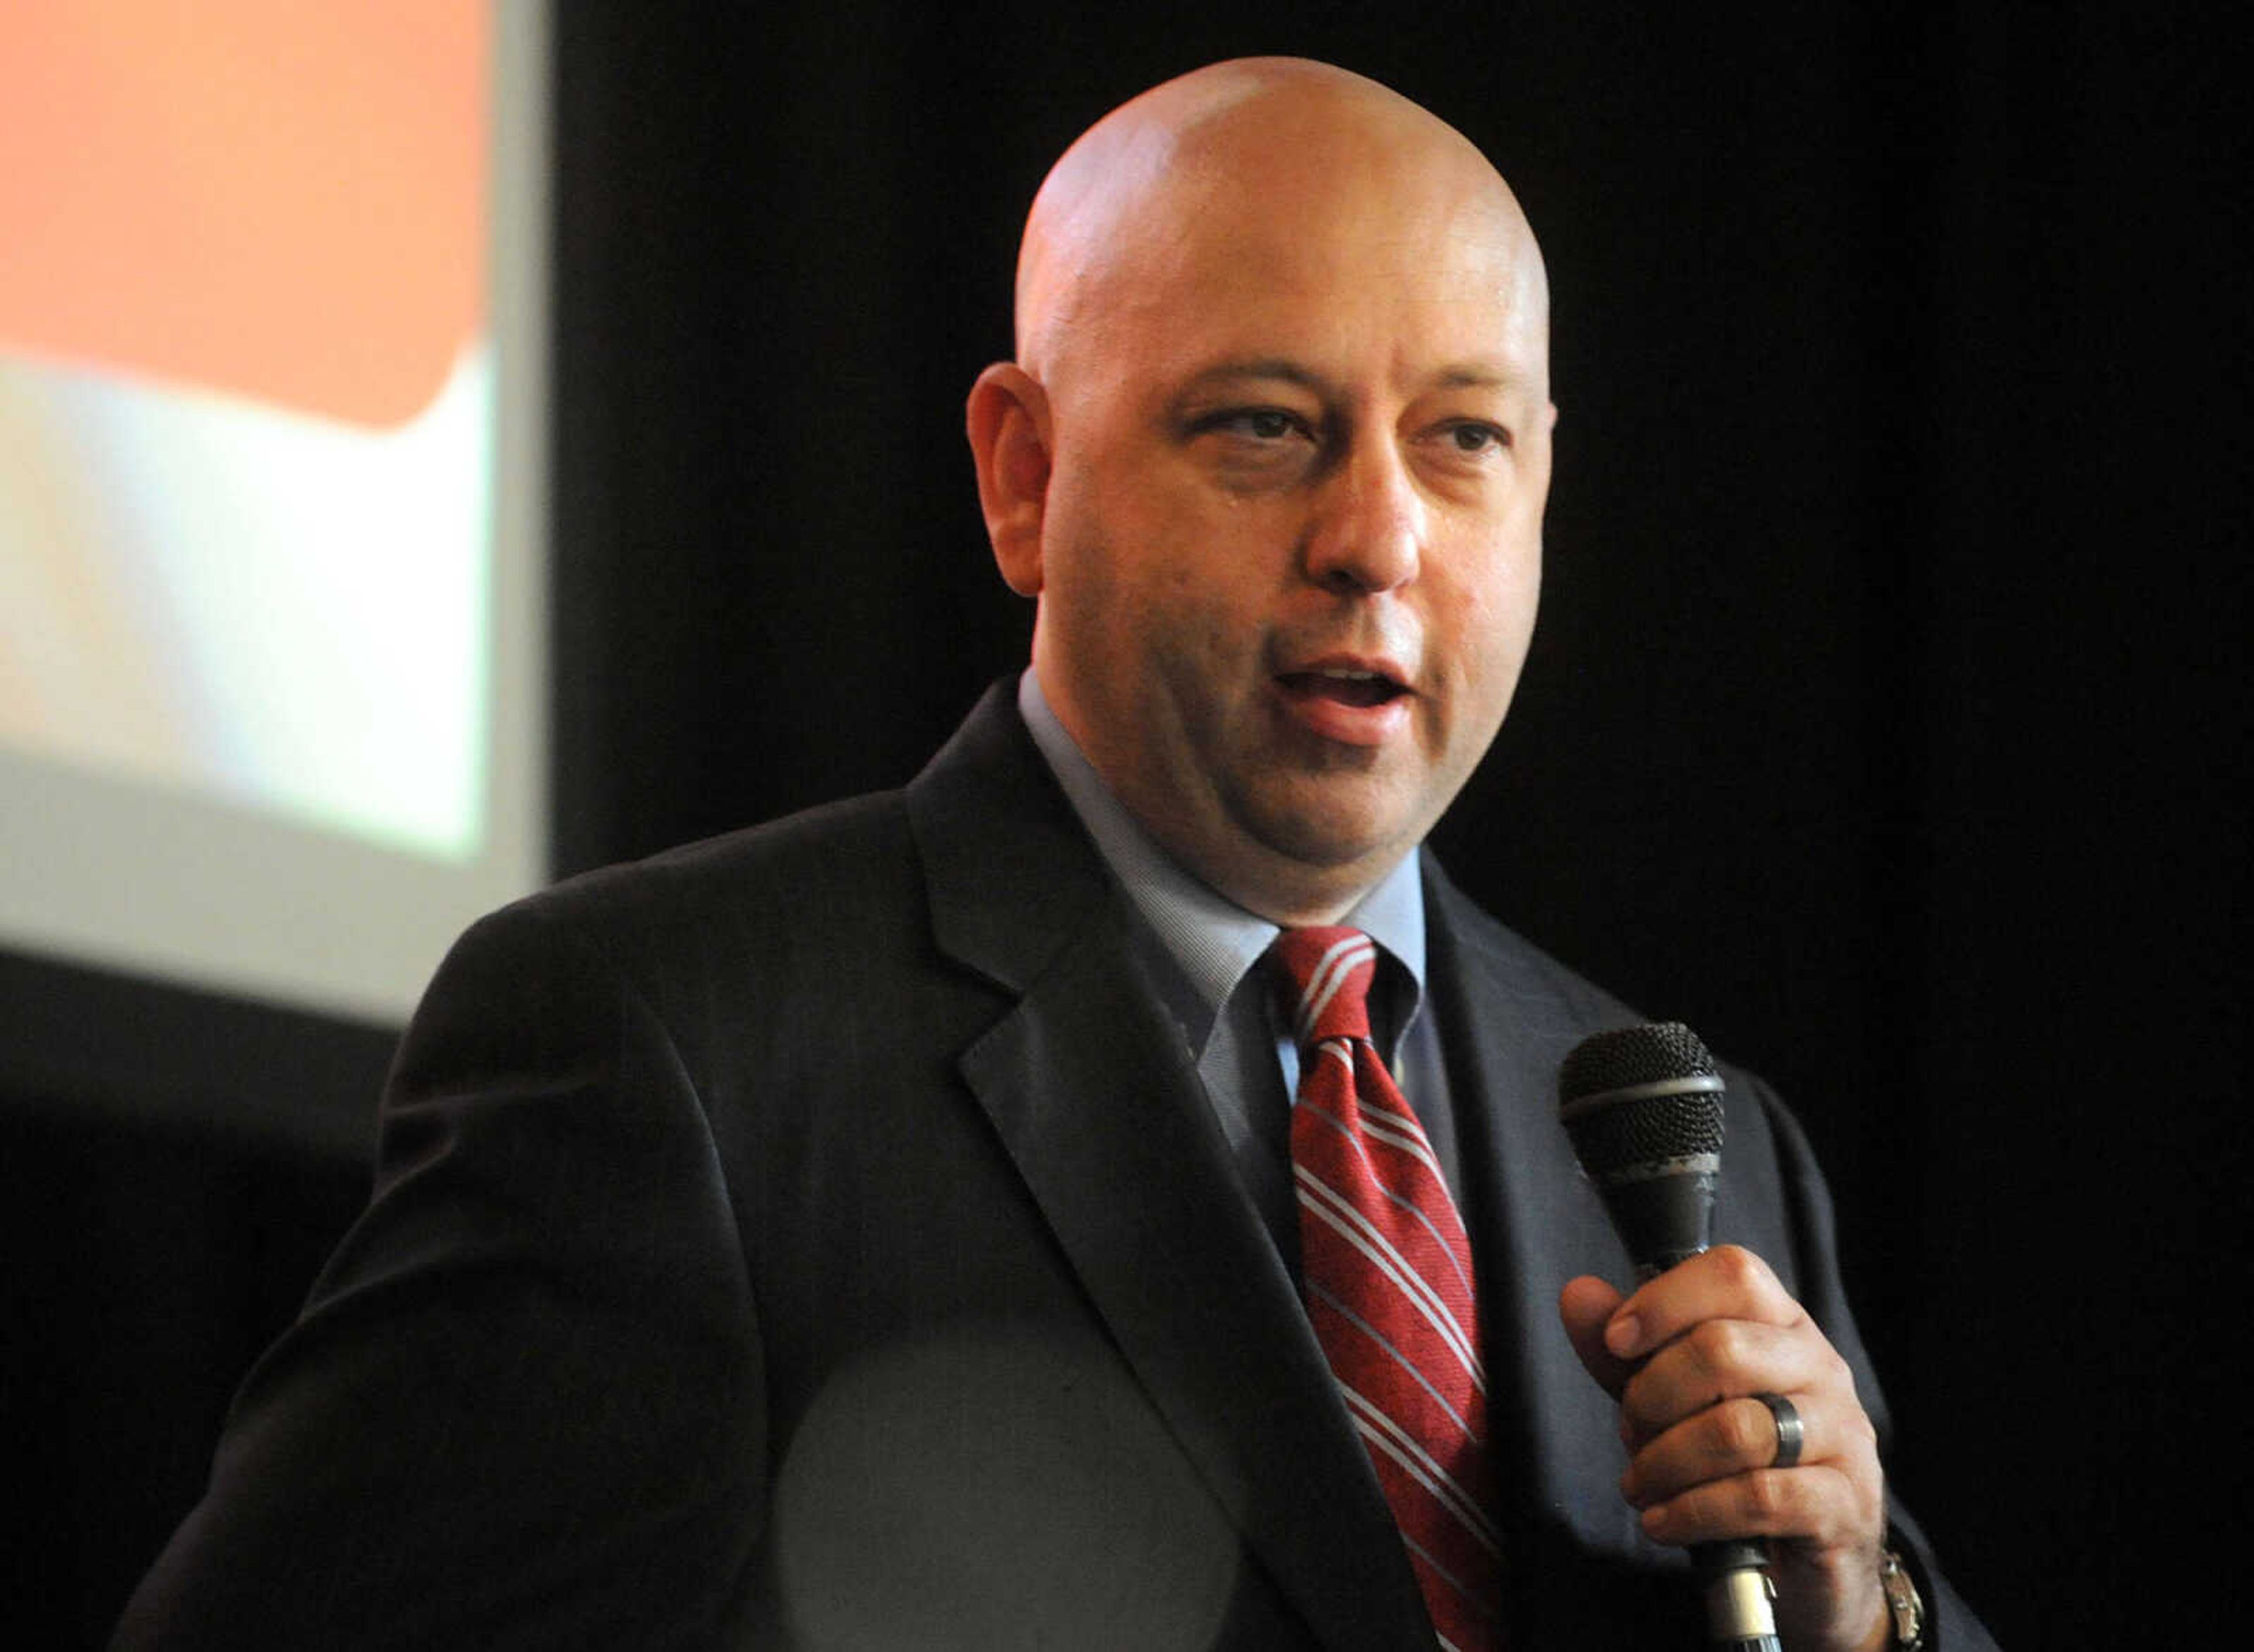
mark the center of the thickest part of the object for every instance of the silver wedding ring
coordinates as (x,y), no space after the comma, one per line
(1789,1436)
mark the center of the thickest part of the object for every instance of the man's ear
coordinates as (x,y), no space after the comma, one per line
(1007,419)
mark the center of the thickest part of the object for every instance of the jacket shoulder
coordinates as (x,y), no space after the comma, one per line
(788,873)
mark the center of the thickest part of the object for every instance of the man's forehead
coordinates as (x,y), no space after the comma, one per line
(1439,310)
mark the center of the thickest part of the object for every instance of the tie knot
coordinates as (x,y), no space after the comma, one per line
(1330,970)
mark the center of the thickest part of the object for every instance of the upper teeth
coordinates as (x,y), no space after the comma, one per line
(1351,676)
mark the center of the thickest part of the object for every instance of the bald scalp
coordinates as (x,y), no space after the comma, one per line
(1155,181)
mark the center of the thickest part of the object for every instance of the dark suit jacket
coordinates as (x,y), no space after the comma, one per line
(818,1238)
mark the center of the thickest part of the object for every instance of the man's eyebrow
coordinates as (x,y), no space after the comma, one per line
(1272,367)
(1465,375)
(1479,375)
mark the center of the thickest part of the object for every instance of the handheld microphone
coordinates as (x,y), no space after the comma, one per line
(1642,1106)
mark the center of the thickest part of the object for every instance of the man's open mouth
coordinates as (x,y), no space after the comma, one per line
(1348,687)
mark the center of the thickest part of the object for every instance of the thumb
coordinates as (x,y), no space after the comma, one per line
(1584,1305)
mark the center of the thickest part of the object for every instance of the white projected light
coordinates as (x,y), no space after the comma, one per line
(271,502)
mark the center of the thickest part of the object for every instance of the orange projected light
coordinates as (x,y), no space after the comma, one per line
(269,198)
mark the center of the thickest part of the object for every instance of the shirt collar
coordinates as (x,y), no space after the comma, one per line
(1212,939)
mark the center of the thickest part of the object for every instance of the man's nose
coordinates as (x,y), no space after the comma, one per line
(1368,531)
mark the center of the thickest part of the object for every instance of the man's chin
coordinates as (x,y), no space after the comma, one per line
(1334,843)
(1290,846)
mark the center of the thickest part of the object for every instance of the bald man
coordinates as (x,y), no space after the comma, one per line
(877,1229)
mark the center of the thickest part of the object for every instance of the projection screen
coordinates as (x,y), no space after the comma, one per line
(271,502)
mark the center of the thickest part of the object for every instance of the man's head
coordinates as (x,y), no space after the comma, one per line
(1272,459)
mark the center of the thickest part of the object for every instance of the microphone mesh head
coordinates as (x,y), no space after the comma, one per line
(1639,1130)
(1633,1056)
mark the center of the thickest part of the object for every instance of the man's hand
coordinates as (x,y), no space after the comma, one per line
(1685,1356)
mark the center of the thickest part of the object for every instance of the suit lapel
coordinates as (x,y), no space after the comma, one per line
(1512,1016)
(1093,1095)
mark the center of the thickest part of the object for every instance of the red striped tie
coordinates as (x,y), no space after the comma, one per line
(1388,1276)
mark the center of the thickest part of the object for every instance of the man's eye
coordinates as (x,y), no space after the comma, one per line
(1261,423)
(1477,438)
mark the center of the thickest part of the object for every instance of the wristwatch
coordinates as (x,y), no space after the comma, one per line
(1902,1602)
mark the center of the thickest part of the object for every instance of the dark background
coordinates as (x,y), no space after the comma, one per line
(1884,723)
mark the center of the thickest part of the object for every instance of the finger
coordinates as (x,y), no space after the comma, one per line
(1741,1437)
(1727,1360)
(1726,1283)
(1820,1507)
(1585,1305)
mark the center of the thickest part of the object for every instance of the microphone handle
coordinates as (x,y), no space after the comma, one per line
(1734,1573)
(1739,1610)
